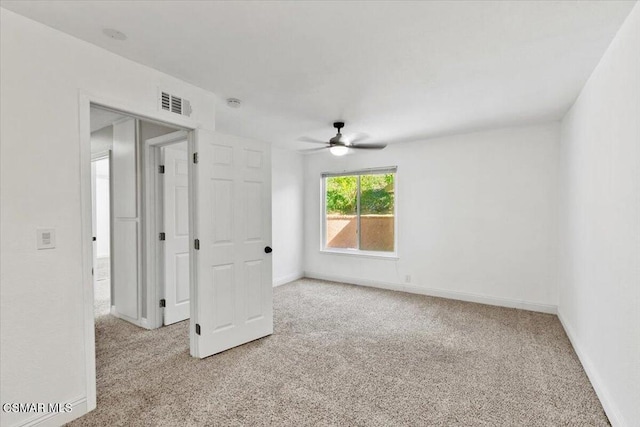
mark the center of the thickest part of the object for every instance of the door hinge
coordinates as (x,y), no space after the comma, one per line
(196,244)
(195,157)
(163,302)
(162,236)
(161,169)
(198,328)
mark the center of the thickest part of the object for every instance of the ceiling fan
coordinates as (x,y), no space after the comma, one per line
(339,145)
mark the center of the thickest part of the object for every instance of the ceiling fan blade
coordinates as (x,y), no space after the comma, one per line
(311,150)
(358,137)
(368,147)
(307,139)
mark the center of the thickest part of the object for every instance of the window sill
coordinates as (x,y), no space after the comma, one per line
(362,254)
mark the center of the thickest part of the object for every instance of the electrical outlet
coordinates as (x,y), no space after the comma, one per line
(45,238)
(407,278)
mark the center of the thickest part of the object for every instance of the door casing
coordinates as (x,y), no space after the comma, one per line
(175,226)
(85,102)
(154,268)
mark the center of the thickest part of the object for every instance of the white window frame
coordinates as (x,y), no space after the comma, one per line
(323,214)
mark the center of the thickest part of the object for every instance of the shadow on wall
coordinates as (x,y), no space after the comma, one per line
(377,232)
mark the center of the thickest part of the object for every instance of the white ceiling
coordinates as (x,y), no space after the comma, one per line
(397,71)
(102,118)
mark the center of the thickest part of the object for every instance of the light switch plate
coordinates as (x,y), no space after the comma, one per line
(46,238)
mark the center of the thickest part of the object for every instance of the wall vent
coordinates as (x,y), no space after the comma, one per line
(175,104)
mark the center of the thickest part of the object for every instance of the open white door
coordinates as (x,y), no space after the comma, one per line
(232,288)
(176,231)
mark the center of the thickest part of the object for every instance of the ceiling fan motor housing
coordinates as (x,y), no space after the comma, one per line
(337,140)
(338,147)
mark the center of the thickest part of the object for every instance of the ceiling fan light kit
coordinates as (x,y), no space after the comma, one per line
(338,150)
(339,146)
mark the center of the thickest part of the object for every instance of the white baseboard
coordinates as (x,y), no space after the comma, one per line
(441,293)
(613,413)
(145,323)
(78,409)
(142,322)
(288,278)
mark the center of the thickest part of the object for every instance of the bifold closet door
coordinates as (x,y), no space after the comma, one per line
(125,247)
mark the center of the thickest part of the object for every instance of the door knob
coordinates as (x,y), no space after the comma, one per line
(267,249)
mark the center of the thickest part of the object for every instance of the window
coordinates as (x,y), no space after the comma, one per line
(360,212)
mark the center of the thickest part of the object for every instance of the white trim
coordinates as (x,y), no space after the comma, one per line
(144,323)
(84,129)
(78,409)
(99,155)
(193,146)
(440,293)
(169,138)
(139,211)
(392,256)
(141,321)
(288,278)
(323,214)
(608,404)
(151,249)
(365,171)
(85,100)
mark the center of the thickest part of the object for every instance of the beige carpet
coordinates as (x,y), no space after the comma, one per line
(101,297)
(349,355)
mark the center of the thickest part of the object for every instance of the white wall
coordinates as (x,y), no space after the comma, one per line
(150,130)
(287,215)
(102,140)
(42,73)
(600,226)
(477,217)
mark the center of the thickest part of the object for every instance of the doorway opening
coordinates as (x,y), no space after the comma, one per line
(101,226)
(119,186)
(115,188)
(229,229)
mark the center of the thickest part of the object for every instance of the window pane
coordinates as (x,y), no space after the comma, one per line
(341,204)
(377,209)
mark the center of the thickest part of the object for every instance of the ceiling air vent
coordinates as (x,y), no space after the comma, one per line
(175,104)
